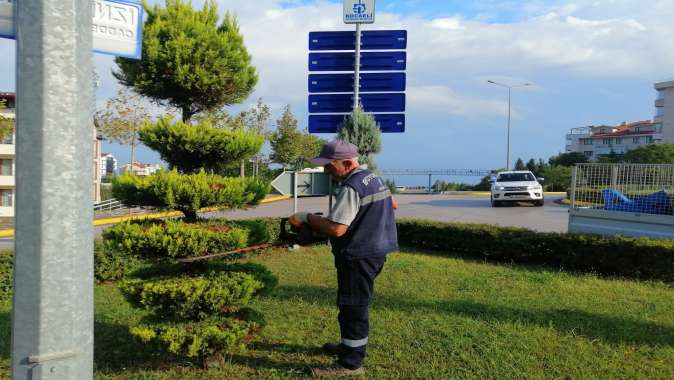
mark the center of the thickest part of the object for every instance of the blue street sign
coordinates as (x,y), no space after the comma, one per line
(373,82)
(370,40)
(340,103)
(372,61)
(388,123)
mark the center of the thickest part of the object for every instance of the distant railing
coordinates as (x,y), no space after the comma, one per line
(108,205)
(442,172)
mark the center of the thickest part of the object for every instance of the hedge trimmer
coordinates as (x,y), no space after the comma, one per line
(292,237)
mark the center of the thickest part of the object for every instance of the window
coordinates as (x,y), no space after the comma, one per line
(661,95)
(9,139)
(5,167)
(649,139)
(588,153)
(659,111)
(515,177)
(586,141)
(606,141)
(6,198)
(618,140)
(635,140)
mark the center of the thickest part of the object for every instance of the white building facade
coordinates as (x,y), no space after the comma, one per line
(664,110)
(108,165)
(141,169)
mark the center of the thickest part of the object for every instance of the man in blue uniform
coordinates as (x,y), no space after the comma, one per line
(362,230)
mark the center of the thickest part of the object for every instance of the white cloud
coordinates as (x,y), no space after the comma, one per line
(442,99)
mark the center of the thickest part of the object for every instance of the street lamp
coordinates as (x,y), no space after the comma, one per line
(509,87)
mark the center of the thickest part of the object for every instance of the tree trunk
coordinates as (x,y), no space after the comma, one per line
(190,216)
(187,114)
(133,151)
(243,168)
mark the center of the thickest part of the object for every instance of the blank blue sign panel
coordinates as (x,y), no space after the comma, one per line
(370,40)
(372,61)
(343,103)
(379,82)
(388,123)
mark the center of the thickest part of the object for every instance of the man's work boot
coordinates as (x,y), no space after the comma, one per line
(333,348)
(336,370)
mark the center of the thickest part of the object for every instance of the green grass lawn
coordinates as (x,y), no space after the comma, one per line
(432,318)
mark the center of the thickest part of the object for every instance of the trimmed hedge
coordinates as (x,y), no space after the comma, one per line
(192,297)
(111,264)
(615,256)
(174,239)
(199,339)
(6,275)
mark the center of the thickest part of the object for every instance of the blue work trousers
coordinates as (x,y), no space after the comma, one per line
(355,288)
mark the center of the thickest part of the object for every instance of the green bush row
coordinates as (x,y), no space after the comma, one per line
(6,274)
(192,297)
(621,256)
(197,339)
(111,264)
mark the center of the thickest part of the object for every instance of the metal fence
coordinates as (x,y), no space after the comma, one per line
(627,188)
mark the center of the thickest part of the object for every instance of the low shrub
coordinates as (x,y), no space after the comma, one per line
(6,275)
(621,256)
(174,239)
(192,297)
(197,340)
(260,230)
(111,264)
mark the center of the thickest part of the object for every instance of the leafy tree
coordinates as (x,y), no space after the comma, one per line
(6,124)
(532,166)
(291,147)
(558,178)
(190,148)
(568,159)
(651,154)
(121,119)
(285,149)
(256,119)
(391,184)
(361,130)
(169,190)
(190,60)
(519,165)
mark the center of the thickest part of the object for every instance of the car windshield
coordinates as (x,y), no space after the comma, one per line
(515,177)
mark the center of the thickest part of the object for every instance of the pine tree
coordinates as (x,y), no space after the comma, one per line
(519,165)
(190,61)
(361,130)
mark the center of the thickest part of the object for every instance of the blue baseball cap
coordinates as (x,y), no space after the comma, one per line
(335,150)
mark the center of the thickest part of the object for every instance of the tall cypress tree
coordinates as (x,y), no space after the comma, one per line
(362,130)
(190,61)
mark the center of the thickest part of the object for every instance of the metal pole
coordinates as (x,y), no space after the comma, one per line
(356,86)
(429,183)
(295,191)
(52,314)
(508,148)
(574,179)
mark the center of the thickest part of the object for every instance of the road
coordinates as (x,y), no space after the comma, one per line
(465,209)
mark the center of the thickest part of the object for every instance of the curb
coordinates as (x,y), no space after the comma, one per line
(102,222)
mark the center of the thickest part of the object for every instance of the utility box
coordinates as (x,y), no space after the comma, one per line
(623,199)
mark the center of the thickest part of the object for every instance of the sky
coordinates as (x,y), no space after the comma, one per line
(590,62)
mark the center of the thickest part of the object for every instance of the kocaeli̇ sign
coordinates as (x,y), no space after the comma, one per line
(358,11)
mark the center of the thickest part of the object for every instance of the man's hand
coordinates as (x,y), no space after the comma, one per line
(299,218)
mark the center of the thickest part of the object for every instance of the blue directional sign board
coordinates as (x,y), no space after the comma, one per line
(389,123)
(373,82)
(370,40)
(381,80)
(338,103)
(369,61)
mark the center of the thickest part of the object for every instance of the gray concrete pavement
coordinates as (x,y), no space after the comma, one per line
(450,208)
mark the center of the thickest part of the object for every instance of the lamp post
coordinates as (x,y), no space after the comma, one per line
(509,87)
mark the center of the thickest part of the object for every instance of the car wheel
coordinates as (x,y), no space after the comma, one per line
(495,203)
(539,203)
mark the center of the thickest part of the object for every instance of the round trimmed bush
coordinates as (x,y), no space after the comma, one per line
(192,297)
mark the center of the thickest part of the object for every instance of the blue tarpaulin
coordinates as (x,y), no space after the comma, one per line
(657,203)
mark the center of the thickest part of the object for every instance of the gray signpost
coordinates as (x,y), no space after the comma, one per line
(53,303)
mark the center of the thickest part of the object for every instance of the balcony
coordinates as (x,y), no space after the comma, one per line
(7,150)
(660,103)
(6,181)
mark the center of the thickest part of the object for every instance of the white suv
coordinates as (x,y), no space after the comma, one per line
(516,186)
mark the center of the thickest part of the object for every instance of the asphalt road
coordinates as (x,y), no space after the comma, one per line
(466,209)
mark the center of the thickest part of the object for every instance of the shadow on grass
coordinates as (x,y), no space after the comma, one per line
(115,350)
(565,320)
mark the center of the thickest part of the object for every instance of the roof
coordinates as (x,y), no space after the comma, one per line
(625,129)
(664,85)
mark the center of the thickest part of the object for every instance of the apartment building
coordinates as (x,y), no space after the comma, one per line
(8,159)
(108,164)
(664,109)
(595,141)
(141,169)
